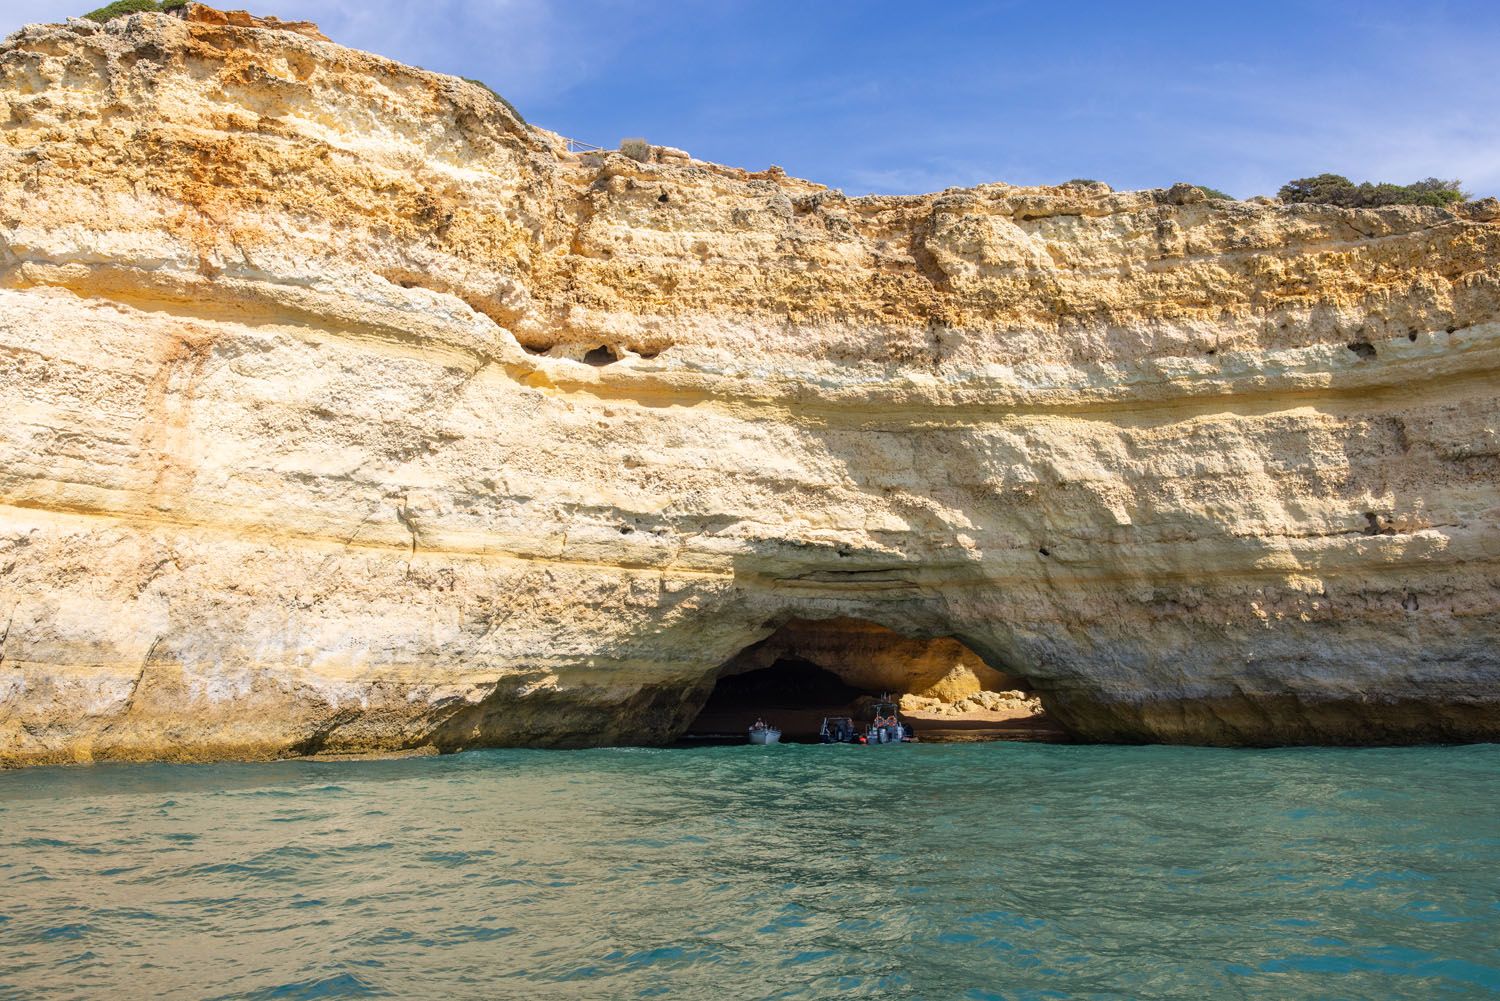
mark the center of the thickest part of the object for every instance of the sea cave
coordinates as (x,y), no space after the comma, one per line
(809,669)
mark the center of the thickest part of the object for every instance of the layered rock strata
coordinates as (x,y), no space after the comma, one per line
(346,412)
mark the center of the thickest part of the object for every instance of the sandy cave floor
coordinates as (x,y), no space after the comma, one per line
(801,724)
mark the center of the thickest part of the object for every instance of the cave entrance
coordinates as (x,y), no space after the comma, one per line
(811,668)
(793,693)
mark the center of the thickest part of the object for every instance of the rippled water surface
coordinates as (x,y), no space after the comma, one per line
(939,871)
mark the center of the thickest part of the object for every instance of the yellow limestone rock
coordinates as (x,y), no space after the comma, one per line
(345,412)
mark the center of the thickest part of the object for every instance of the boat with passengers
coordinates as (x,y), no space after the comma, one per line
(885,727)
(762,732)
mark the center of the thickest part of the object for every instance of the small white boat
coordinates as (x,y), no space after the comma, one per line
(762,732)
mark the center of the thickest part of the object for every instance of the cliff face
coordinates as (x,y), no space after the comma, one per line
(345,412)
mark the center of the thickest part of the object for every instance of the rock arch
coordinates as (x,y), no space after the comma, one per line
(872,657)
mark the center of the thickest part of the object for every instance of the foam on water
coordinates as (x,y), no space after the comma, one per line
(973,871)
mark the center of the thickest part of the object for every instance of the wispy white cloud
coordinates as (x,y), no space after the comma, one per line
(15,13)
(523,48)
(917,178)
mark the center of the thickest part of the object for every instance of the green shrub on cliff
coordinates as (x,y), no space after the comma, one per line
(1215,193)
(122,7)
(1336,189)
(494,93)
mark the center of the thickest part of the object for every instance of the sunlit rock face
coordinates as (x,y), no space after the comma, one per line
(345,412)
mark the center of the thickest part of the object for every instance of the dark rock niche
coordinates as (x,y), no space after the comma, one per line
(793,693)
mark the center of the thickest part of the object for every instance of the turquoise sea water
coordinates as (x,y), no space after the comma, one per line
(969,871)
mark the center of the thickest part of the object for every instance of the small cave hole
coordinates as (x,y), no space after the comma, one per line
(1044,550)
(1411,335)
(532,349)
(1410,602)
(601,356)
(626,530)
(662,198)
(1450,330)
(1211,352)
(1364,349)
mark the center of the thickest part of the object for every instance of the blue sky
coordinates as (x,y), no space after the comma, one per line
(906,97)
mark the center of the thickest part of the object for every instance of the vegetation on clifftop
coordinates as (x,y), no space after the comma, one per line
(122,7)
(1335,189)
(496,94)
(1211,193)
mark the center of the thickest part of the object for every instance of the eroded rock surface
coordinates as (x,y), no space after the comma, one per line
(346,412)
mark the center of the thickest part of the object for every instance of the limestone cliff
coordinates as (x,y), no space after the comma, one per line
(344,411)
